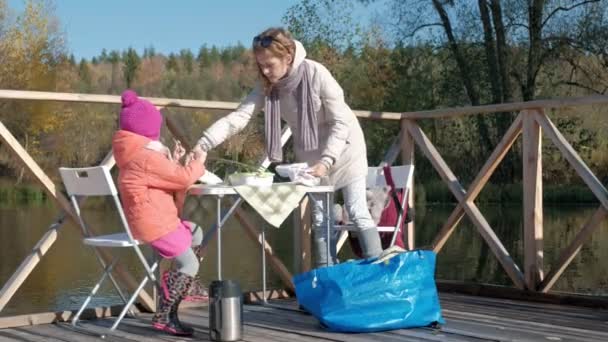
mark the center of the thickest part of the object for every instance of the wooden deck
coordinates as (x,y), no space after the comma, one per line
(468,318)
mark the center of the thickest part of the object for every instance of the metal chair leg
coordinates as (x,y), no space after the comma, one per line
(120,292)
(133,297)
(265,300)
(106,272)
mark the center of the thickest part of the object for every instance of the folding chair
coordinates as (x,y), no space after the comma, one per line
(403,177)
(97,181)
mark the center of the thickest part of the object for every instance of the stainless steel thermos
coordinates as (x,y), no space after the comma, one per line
(225,311)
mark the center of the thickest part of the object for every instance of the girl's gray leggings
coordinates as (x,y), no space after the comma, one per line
(187,262)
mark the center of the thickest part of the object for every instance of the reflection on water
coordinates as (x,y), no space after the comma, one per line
(64,276)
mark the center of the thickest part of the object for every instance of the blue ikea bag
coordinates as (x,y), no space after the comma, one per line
(358,296)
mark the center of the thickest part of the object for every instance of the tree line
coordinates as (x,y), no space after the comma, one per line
(412,55)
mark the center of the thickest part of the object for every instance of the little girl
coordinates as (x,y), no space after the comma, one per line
(148,180)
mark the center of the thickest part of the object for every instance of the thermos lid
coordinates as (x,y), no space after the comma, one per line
(225,289)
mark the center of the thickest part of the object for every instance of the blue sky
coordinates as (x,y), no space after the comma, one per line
(91,25)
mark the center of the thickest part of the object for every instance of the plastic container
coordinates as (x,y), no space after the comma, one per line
(251,178)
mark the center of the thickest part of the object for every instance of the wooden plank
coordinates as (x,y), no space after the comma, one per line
(177,132)
(393,151)
(162,102)
(536,313)
(275,262)
(469,318)
(545,312)
(341,240)
(305,324)
(285,321)
(568,254)
(20,155)
(551,320)
(507,107)
(39,250)
(479,182)
(41,334)
(487,109)
(448,228)
(573,158)
(296,243)
(132,329)
(429,150)
(566,318)
(495,158)
(471,209)
(112,99)
(407,158)
(302,232)
(496,246)
(533,201)
(426,334)
(263,332)
(25,268)
(253,297)
(377,115)
(494,326)
(217,105)
(30,262)
(446,333)
(498,292)
(565,323)
(58,316)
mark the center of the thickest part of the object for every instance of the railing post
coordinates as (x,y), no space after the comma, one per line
(302,235)
(533,201)
(407,157)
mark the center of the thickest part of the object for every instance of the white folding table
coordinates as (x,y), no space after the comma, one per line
(219,191)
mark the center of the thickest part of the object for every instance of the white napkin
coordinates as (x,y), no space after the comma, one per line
(210,178)
(298,173)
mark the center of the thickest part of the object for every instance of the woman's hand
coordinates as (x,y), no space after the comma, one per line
(318,170)
(197,153)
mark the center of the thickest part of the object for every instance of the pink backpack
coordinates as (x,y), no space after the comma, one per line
(388,218)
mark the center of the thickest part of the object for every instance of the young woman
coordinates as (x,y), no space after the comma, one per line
(326,133)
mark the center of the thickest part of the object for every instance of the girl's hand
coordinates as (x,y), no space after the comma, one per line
(318,170)
(178,151)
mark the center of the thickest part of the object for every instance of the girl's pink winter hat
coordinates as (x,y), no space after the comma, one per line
(140,116)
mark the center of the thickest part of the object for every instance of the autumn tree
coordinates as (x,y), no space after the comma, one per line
(131,63)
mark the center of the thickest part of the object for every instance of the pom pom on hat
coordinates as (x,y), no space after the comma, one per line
(128,98)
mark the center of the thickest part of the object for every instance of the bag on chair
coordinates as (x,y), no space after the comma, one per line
(388,218)
(359,296)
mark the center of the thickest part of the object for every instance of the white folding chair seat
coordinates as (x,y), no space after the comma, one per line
(403,177)
(97,181)
(111,240)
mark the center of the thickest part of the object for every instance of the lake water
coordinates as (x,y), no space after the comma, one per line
(66,273)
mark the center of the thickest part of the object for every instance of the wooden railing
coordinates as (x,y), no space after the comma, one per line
(531,122)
